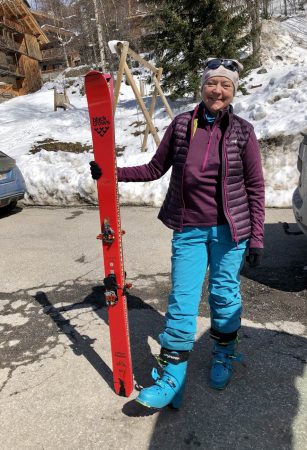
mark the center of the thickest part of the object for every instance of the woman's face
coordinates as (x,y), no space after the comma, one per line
(217,93)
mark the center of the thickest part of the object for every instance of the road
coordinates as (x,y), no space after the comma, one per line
(56,382)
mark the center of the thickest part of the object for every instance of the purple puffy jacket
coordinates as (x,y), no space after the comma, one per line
(242,177)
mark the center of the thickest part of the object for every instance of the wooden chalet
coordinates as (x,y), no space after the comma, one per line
(60,52)
(20,54)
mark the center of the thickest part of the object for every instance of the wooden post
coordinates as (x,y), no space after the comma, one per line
(167,107)
(142,61)
(61,99)
(151,110)
(123,55)
(142,104)
(122,49)
(141,83)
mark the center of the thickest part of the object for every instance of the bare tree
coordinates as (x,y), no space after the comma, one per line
(255,29)
(265,13)
(255,22)
(292,6)
(87,34)
(100,36)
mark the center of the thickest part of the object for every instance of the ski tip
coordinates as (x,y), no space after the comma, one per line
(93,73)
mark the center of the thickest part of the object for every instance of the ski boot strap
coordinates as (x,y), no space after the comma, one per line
(223,338)
(221,358)
(158,380)
(172,356)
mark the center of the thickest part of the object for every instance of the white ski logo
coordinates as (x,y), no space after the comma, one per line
(101,125)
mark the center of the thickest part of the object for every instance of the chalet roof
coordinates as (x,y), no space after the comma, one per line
(19,11)
(57,30)
(52,25)
(43,15)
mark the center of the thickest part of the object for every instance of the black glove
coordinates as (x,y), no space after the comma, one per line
(254,256)
(95,170)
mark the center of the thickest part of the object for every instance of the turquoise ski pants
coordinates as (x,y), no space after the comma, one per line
(193,251)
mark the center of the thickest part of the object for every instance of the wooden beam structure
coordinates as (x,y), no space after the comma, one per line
(151,111)
(123,57)
(123,50)
(141,103)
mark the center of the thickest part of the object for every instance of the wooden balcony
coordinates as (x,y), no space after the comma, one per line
(14,26)
(10,45)
(53,53)
(53,56)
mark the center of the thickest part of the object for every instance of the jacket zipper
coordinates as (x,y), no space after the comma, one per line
(208,149)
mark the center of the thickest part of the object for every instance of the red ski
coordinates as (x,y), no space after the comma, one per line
(99,92)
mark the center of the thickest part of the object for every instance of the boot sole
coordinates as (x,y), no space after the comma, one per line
(154,408)
(218,386)
(147,405)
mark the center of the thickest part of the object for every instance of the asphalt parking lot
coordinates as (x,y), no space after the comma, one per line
(56,380)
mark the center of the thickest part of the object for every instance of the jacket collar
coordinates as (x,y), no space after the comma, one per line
(201,106)
(225,114)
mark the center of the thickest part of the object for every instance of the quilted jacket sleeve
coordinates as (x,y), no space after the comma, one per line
(158,166)
(254,185)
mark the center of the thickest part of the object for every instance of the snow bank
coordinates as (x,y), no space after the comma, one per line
(57,178)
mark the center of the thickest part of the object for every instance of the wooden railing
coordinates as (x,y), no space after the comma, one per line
(8,43)
(53,53)
(11,24)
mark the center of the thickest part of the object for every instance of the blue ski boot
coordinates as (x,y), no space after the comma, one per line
(223,357)
(169,388)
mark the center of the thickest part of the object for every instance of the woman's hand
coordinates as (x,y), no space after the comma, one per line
(254,257)
(96,172)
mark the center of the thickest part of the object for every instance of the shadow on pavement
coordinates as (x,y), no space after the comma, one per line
(6,212)
(80,344)
(256,411)
(285,257)
(260,407)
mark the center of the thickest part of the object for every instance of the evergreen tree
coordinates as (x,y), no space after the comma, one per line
(184,33)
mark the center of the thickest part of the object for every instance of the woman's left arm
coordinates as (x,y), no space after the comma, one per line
(254,185)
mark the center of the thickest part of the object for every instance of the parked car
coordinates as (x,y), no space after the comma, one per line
(299,199)
(12,183)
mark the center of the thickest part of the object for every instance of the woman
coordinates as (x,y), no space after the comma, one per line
(215,205)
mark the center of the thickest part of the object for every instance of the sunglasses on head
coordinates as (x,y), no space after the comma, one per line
(229,64)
